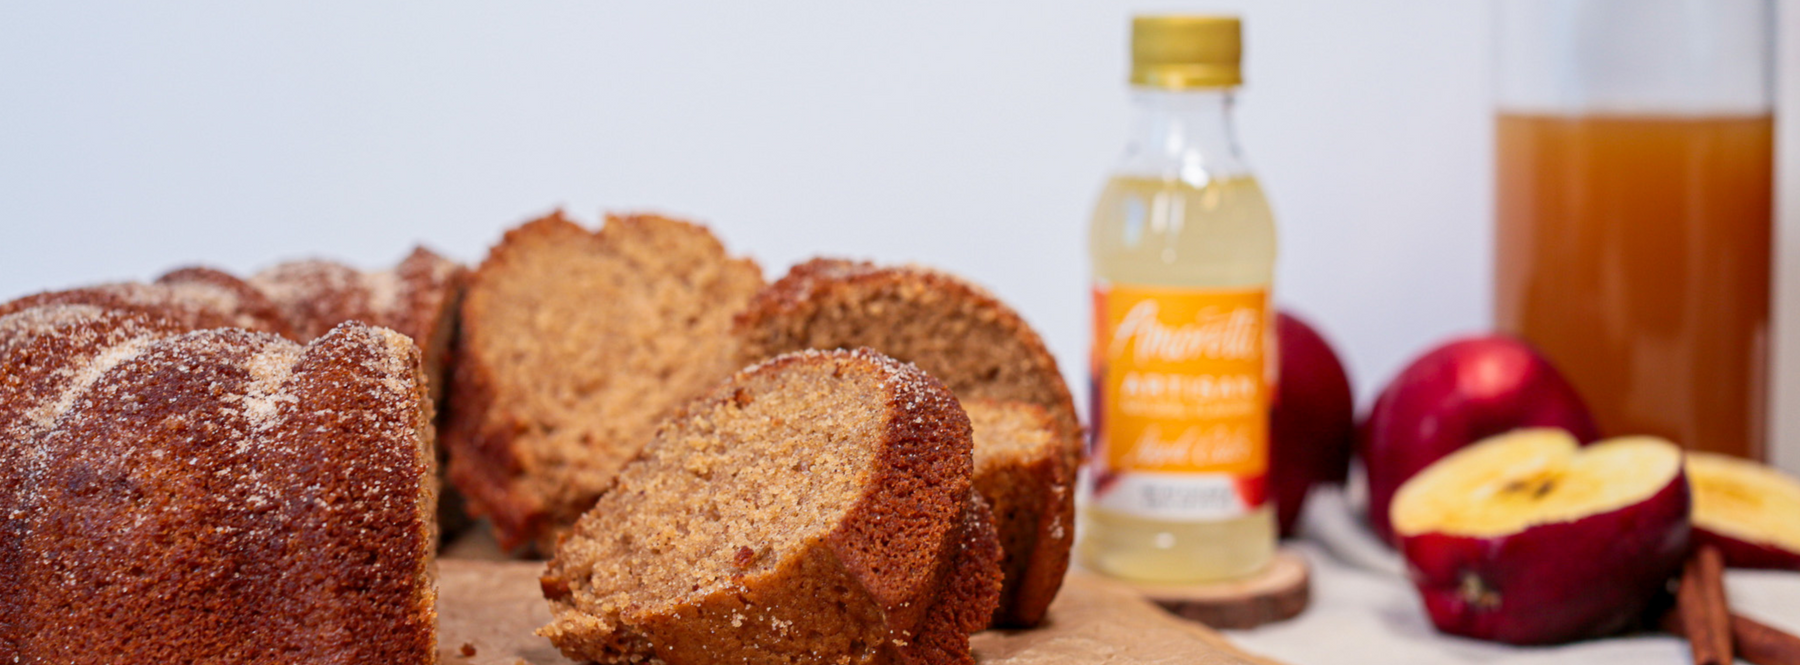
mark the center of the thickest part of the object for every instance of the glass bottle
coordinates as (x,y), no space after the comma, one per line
(1183,252)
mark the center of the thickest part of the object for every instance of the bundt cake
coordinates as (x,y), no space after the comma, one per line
(574,344)
(302,301)
(982,350)
(219,496)
(815,508)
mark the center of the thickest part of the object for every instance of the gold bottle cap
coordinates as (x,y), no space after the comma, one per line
(1179,52)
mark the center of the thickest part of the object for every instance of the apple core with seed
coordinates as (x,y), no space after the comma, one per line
(1529,538)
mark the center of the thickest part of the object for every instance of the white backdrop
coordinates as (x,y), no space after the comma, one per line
(971,136)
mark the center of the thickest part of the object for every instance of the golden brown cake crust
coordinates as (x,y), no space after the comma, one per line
(906,570)
(970,595)
(417,298)
(574,343)
(431,289)
(317,294)
(977,346)
(211,496)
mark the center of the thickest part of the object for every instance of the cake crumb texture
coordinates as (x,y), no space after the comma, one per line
(574,345)
(816,507)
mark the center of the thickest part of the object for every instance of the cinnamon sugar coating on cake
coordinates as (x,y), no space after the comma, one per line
(230,296)
(417,298)
(814,508)
(574,344)
(197,299)
(982,350)
(299,300)
(211,496)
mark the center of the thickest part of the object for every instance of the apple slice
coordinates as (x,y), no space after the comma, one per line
(1749,511)
(1529,538)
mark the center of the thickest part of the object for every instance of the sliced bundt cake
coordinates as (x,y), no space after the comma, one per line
(573,345)
(978,347)
(815,508)
(211,496)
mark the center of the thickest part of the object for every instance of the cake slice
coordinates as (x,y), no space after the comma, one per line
(574,344)
(1020,472)
(983,351)
(211,496)
(970,595)
(814,508)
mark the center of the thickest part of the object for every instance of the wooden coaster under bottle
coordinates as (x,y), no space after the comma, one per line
(1280,592)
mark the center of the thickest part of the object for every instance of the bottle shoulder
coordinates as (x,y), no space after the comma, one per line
(1187,135)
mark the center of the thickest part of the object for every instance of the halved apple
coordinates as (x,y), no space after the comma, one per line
(1529,538)
(1749,511)
(1456,394)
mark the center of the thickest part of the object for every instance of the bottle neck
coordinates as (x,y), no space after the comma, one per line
(1183,135)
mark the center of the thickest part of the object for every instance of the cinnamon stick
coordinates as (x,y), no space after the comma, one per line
(1702,615)
(1763,644)
(1753,640)
(1700,602)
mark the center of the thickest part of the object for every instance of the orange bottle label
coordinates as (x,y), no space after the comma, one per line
(1181,412)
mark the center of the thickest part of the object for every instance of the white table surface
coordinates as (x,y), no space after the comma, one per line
(1364,611)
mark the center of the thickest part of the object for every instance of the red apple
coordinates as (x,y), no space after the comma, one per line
(1528,538)
(1749,511)
(1312,422)
(1459,393)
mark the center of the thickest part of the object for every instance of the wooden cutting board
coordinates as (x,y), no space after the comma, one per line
(490,608)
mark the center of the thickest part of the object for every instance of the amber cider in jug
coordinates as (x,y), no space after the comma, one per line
(1634,163)
(1635,251)
(1183,253)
